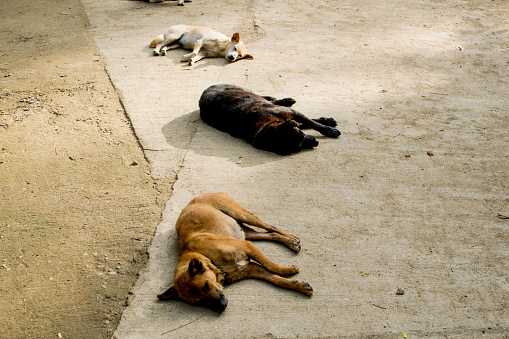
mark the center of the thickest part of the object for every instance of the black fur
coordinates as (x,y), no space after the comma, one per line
(265,122)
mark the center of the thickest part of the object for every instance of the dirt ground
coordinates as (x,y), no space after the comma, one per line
(78,205)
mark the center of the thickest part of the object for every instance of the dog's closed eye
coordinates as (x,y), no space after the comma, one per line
(206,288)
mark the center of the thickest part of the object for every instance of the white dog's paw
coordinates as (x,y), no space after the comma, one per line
(163,52)
(188,57)
(156,52)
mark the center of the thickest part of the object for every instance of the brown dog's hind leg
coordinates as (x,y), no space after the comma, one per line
(230,207)
(291,243)
(255,254)
(255,271)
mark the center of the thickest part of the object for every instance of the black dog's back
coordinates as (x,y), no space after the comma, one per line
(265,122)
(227,108)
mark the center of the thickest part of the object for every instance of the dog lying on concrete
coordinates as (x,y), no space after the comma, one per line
(215,251)
(203,41)
(265,122)
(179,2)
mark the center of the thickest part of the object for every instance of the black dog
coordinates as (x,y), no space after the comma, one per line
(265,122)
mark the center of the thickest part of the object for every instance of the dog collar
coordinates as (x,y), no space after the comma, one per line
(227,279)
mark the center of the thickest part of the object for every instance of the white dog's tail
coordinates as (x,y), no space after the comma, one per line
(157,40)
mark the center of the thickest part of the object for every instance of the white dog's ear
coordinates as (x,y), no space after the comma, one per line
(248,57)
(236,37)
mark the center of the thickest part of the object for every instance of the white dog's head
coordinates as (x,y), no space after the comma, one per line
(237,50)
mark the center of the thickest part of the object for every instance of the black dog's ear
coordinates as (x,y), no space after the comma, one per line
(195,267)
(170,294)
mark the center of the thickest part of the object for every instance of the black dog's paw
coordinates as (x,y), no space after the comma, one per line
(287,102)
(332,133)
(327,121)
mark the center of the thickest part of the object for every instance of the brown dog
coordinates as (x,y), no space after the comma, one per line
(266,123)
(215,251)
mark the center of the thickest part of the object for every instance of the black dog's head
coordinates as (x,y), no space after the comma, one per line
(283,138)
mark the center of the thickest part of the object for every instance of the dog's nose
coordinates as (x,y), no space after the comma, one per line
(220,305)
(231,57)
(309,142)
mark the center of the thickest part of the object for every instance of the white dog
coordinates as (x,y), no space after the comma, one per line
(180,2)
(204,43)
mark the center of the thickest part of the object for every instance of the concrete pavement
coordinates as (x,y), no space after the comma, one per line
(406,198)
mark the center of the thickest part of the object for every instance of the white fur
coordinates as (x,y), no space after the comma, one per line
(203,41)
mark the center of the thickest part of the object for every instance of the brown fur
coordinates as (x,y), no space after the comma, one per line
(215,250)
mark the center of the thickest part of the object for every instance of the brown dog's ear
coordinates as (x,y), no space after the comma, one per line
(170,294)
(195,267)
(248,57)
(236,37)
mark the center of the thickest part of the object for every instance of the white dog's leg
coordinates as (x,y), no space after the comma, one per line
(197,58)
(167,48)
(157,50)
(161,48)
(188,57)
(171,42)
(194,53)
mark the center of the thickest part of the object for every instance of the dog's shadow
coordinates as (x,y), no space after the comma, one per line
(190,132)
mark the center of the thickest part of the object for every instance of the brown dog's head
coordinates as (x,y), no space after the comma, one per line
(198,282)
(237,50)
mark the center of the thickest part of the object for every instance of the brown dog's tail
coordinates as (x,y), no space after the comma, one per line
(157,40)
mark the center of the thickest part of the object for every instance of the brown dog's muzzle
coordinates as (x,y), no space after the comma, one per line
(217,305)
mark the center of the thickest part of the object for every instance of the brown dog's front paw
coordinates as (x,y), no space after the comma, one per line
(305,288)
(294,245)
(291,236)
(289,270)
